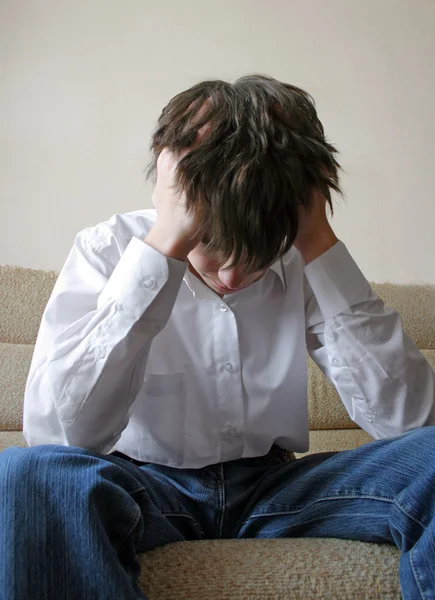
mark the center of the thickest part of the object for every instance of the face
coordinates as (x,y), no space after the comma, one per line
(222,279)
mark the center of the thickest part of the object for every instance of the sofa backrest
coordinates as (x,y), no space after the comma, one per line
(25,292)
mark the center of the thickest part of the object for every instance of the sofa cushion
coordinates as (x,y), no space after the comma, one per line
(416,306)
(267,569)
(336,440)
(11,438)
(15,363)
(325,409)
(23,296)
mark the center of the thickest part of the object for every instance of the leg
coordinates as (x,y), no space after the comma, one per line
(72,523)
(381,492)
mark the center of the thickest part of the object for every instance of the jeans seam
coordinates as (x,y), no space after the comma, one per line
(222,499)
(411,552)
(414,571)
(404,510)
(131,494)
(131,529)
(295,511)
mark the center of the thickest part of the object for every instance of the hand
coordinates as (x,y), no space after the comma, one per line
(315,235)
(176,232)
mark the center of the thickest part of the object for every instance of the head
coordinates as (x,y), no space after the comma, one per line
(264,153)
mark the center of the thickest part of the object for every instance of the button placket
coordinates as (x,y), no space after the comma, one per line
(229,381)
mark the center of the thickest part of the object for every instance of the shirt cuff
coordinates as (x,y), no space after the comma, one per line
(139,277)
(336,280)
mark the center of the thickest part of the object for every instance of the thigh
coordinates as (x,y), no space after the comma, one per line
(123,494)
(348,494)
(77,521)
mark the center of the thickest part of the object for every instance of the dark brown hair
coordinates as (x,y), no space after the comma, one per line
(265,152)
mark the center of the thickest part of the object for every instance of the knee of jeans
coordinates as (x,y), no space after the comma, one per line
(424,440)
(49,466)
(425,433)
(428,437)
(25,464)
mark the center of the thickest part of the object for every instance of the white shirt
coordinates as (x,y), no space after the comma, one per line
(136,353)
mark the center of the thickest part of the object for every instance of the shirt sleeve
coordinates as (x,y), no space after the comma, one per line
(384,381)
(93,343)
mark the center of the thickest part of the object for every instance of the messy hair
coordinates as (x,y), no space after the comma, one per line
(264,154)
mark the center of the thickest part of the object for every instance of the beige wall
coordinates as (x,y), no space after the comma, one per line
(83,81)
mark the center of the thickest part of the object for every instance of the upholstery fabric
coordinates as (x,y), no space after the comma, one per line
(291,569)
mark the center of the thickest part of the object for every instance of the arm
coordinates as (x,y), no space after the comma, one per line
(95,335)
(94,338)
(385,383)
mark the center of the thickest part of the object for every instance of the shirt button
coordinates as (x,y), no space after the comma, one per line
(149,283)
(335,362)
(223,307)
(229,367)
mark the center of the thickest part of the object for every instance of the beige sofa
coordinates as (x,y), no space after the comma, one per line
(241,569)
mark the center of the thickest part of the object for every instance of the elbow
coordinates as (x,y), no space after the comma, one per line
(89,438)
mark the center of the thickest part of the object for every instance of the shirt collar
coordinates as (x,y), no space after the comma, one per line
(279,270)
(199,289)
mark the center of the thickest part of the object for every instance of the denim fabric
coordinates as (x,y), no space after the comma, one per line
(72,522)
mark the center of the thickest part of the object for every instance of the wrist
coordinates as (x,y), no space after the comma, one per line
(317,245)
(169,243)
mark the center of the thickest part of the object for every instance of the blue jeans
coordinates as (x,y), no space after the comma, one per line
(72,522)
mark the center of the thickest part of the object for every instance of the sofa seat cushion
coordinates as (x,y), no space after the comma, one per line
(335,440)
(11,438)
(296,569)
(15,363)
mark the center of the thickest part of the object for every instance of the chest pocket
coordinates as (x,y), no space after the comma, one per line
(159,417)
